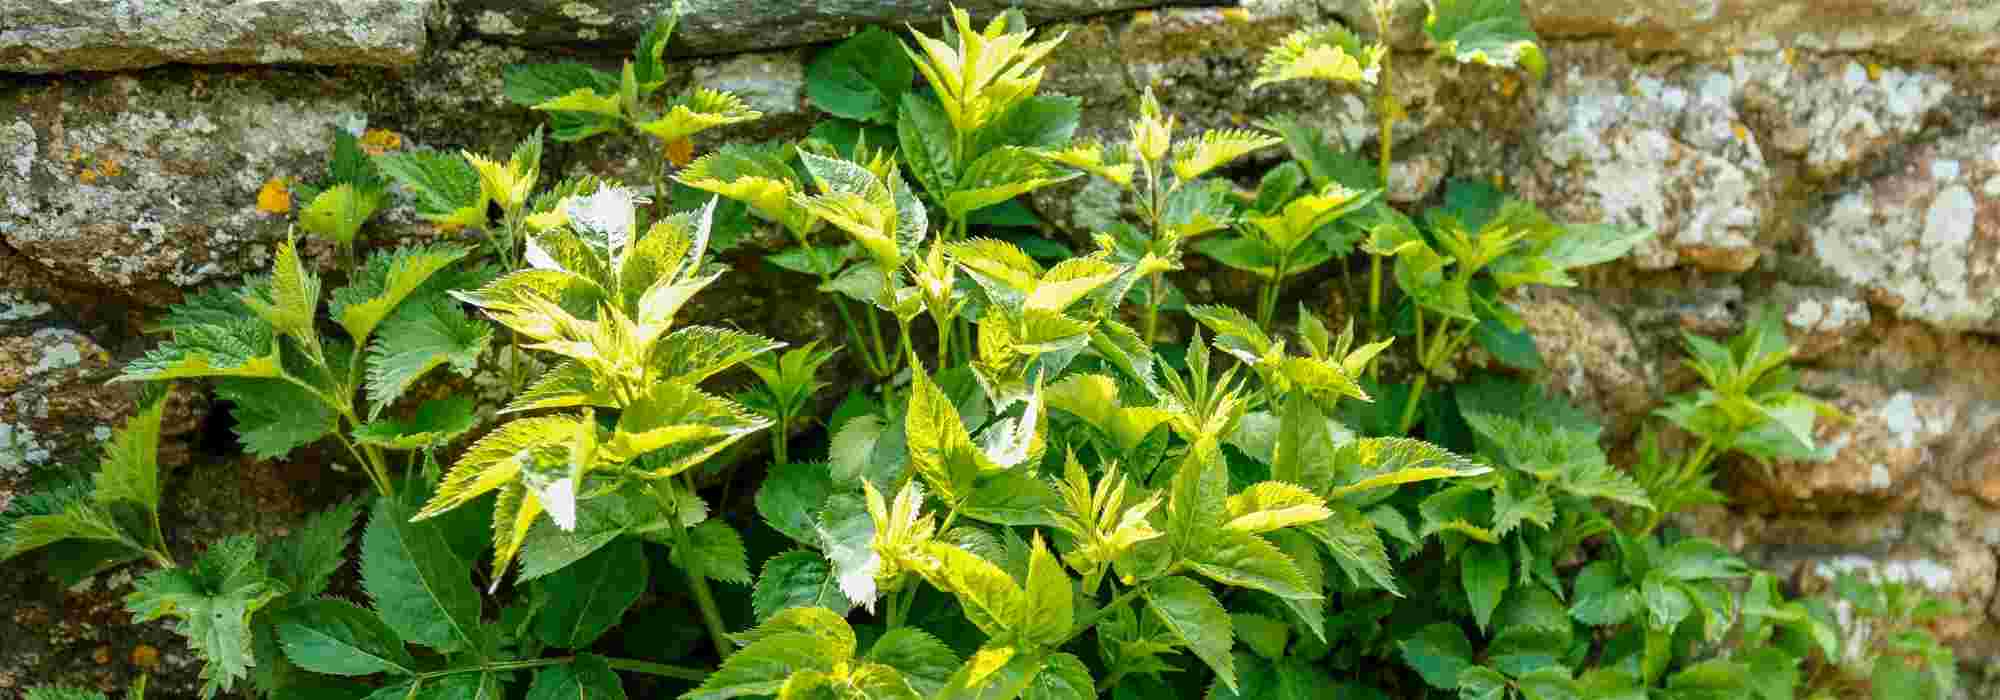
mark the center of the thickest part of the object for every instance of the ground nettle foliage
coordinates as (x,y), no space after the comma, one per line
(1031,496)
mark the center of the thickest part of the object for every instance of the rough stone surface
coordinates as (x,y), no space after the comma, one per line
(1922,30)
(39,36)
(735,26)
(1841,165)
(1924,238)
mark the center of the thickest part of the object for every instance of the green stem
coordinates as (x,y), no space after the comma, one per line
(633,665)
(779,433)
(868,356)
(1374,298)
(1385,111)
(1153,308)
(1267,304)
(653,669)
(885,367)
(1410,406)
(375,476)
(711,614)
(893,615)
(1092,619)
(161,559)
(1111,681)
(944,333)
(495,666)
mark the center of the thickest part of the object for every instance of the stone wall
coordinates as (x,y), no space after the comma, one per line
(1838,158)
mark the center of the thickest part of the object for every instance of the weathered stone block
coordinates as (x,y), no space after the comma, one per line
(39,36)
(735,26)
(1924,238)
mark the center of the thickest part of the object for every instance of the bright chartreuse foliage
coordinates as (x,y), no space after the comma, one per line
(1025,492)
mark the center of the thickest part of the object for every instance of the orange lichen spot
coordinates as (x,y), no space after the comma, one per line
(1509,85)
(1237,14)
(1742,133)
(680,152)
(102,655)
(146,657)
(1791,55)
(275,197)
(1874,72)
(1499,181)
(379,141)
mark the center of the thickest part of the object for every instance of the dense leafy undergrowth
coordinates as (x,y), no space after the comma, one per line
(1031,496)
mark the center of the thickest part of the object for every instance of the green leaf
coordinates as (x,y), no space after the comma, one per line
(1481,683)
(306,559)
(990,599)
(715,551)
(290,300)
(381,285)
(1040,121)
(941,450)
(647,68)
(927,140)
(1484,570)
(1196,620)
(435,423)
(994,673)
(130,469)
(998,176)
(1667,603)
(531,84)
(1774,673)
(421,588)
(1246,254)
(1012,498)
(699,110)
(1714,679)
(237,347)
(1264,635)
(1249,561)
(847,534)
(418,338)
(1216,148)
(762,667)
(1583,245)
(1697,559)
(1601,599)
(1048,611)
(338,638)
(212,602)
(861,78)
(587,677)
(1486,32)
(791,496)
(1439,653)
(797,579)
(1512,348)
(274,417)
(338,213)
(1327,52)
(587,598)
(1366,464)
(1357,548)
(80,536)
(446,188)
(925,662)
(1273,505)
(1063,677)
(547,548)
